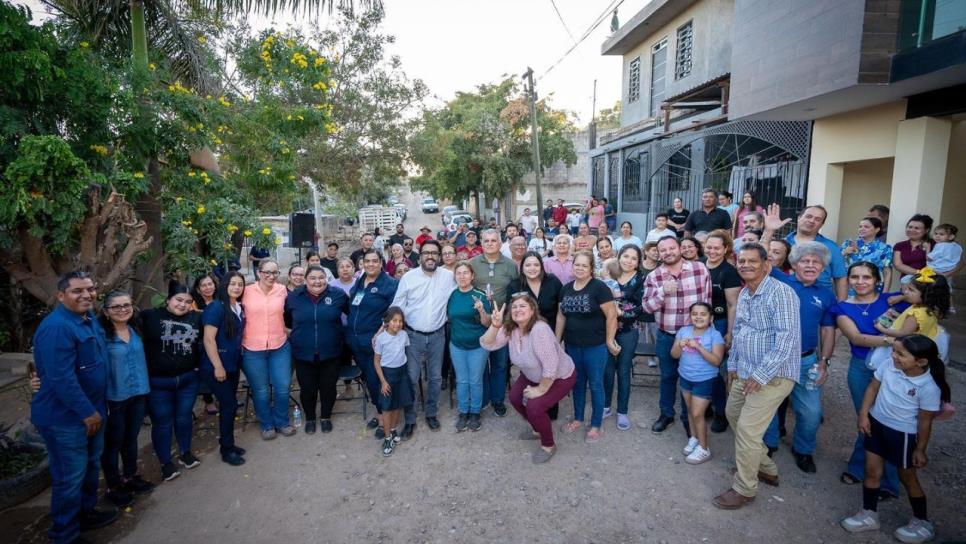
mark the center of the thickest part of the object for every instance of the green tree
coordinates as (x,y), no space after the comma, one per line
(480,142)
(609,118)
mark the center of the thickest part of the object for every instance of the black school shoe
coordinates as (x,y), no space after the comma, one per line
(661,424)
(95,519)
(408,431)
(372,424)
(233,458)
(499,409)
(310,426)
(719,423)
(120,497)
(136,485)
(325,425)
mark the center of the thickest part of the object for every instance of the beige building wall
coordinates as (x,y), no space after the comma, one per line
(861,135)
(864,183)
(954,196)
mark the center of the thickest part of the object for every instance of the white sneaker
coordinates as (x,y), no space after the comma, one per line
(607,413)
(916,531)
(698,456)
(692,443)
(864,520)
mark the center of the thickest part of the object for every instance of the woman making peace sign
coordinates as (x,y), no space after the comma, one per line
(546,371)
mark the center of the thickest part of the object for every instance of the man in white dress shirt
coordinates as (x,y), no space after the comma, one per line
(422,294)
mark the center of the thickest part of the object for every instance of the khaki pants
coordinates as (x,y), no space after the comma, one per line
(749,417)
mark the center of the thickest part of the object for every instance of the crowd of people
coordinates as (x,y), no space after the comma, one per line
(743,322)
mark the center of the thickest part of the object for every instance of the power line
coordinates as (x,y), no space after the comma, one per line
(562,22)
(600,18)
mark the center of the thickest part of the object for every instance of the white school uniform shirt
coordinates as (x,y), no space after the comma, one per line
(391,349)
(900,398)
(655,235)
(529,223)
(423,298)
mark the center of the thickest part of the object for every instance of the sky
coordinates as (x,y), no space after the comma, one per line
(455,45)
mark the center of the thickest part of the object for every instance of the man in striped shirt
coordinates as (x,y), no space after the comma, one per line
(763,366)
(669,293)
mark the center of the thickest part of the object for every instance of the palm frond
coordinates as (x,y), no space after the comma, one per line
(271,7)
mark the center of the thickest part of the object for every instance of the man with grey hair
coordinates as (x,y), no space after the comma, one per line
(492,274)
(709,217)
(808,259)
(518,248)
(763,366)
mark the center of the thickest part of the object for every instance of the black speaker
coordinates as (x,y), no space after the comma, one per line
(301,229)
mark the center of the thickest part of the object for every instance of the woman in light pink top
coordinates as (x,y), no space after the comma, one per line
(267,358)
(561,263)
(595,215)
(546,372)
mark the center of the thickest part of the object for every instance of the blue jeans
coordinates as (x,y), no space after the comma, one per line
(169,404)
(859,378)
(621,366)
(669,377)
(75,462)
(494,376)
(807,406)
(469,365)
(227,394)
(124,419)
(590,362)
(365,357)
(426,348)
(719,396)
(270,366)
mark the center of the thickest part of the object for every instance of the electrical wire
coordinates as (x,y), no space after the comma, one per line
(600,18)
(562,22)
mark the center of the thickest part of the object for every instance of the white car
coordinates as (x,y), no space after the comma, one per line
(456,219)
(401,209)
(429,205)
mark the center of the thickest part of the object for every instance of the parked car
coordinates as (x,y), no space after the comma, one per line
(459,217)
(401,208)
(429,205)
(392,200)
(448,212)
(579,206)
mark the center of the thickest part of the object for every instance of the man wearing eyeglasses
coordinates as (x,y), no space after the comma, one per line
(493,271)
(70,351)
(422,295)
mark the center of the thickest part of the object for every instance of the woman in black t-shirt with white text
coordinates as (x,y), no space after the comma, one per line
(725,287)
(587,323)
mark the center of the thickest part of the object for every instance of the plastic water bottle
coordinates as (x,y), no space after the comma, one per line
(297,416)
(811,384)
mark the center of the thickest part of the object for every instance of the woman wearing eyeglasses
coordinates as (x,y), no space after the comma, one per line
(267,358)
(546,372)
(172,338)
(127,394)
(296,277)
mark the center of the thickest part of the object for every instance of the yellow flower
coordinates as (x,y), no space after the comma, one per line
(200,126)
(289,118)
(178,199)
(232,228)
(320,86)
(99,149)
(300,118)
(217,141)
(285,151)
(266,231)
(84,45)
(213,262)
(191,173)
(138,175)
(204,174)
(319,61)
(224,102)
(152,67)
(186,223)
(330,128)
(201,210)
(266,56)
(291,177)
(247,233)
(228,245)
(220,220)
(278,240)
(171,88)
(202,39)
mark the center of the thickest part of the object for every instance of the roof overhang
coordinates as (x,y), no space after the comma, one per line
(646,22)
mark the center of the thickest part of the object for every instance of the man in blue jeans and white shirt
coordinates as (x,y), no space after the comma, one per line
(70,351)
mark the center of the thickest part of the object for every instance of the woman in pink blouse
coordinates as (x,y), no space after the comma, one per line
(595,215)
(267,355)
(748,205)
(546,372)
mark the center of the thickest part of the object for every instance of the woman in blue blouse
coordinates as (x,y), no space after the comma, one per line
(224,321)
(856,317)
(867,247)
(369,299)
(313,312)
(127,397)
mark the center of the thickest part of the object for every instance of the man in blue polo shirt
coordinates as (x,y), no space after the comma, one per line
(809,224)
(70,352)
(808,260)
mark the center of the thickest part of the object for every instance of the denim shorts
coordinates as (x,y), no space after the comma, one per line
(701,389)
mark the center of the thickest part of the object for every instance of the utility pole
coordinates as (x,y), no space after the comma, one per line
(592,136)
(535,139)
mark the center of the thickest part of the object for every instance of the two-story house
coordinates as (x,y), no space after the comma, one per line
(884,83)
(675,136)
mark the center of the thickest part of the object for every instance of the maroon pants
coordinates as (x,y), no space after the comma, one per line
(535,411)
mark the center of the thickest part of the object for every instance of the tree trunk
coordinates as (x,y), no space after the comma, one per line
(149,274)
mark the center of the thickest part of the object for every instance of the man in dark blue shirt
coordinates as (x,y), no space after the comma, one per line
(808,260)
(70,352)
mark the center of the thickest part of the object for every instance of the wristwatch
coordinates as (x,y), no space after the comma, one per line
(828,360)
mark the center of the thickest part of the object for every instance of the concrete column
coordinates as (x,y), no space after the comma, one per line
(919,173)
(825,188)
